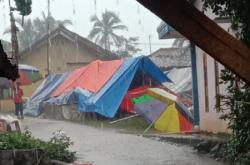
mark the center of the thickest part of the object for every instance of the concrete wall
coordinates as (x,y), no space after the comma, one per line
(209,118)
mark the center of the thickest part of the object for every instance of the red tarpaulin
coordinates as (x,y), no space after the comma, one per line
(91,77)
(126,104)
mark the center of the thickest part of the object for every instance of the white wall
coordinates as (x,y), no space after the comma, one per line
(209,121)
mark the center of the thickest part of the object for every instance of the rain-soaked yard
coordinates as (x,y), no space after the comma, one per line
(108,147)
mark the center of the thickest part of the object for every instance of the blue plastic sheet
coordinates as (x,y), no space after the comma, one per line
(107,101)
(34,105)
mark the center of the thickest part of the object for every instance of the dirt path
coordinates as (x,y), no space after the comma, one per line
(106,147)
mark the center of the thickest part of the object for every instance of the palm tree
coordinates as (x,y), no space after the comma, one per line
(182,44)
(179,42)
(128,47)
(29,31)
(41,24)
(104,30)
(26,33)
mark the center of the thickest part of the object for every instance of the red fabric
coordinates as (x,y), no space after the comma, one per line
(185,125)
(126,104)
(91,77)
(18,93)
(23,79)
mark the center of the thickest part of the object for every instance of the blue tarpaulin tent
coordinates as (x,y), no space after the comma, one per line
(70,97)
(107,101)
(33,106)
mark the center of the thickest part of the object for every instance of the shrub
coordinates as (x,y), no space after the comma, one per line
(57,148)
(237,101)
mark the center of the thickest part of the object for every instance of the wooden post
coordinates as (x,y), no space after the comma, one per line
(14,41)
(48,34)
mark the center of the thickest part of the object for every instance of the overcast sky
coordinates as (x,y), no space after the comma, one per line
(140,21)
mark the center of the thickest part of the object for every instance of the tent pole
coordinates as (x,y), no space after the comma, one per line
(146,130)
(126,118)
(195,86)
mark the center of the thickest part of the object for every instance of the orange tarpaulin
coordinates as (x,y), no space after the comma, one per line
(91,77)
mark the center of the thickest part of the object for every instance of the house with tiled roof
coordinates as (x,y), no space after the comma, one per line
(169,58)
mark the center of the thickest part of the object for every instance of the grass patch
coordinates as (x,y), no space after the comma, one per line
(135,125)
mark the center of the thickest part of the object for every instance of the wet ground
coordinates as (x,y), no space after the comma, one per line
(107,147)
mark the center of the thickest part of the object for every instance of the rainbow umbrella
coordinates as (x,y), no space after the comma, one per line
(28,74)
(159,109)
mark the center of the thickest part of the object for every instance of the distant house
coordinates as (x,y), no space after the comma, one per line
(169,58)
(67,51)
(176,62)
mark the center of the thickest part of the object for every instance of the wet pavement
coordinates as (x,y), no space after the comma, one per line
(107,147)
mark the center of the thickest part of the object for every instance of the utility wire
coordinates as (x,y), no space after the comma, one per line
(152,43)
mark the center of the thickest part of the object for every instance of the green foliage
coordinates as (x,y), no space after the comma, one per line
(40,25)
(238,11)
(24,7)
(104,30)
(236,105)
(56,148)
(237,99)
(32,30)
(179,42)
(128,47)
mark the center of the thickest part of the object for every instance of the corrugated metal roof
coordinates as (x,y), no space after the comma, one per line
(168,58)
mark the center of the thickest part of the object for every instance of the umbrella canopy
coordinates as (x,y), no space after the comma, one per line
(159,108)
(28,75)
(172,121)
(142,99)
(151,109)
(27,68)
